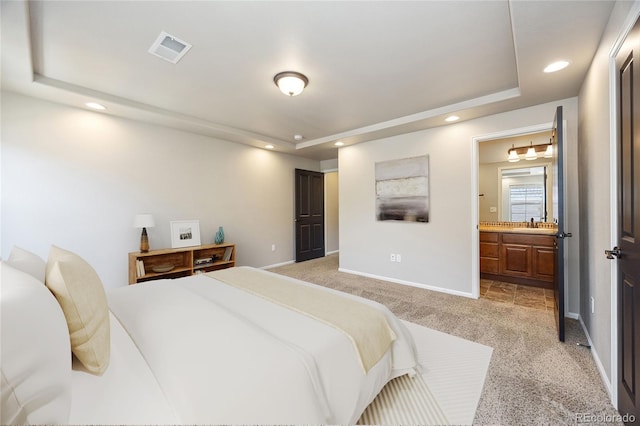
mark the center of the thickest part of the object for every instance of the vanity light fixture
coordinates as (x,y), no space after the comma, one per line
(513,155)
(530,152)
(291,83)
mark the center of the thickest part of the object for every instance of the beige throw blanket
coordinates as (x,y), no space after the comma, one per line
(364,325)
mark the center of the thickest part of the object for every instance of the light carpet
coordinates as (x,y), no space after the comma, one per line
(532,378)
(446,391)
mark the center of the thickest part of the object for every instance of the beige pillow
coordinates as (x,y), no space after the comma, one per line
(81,295)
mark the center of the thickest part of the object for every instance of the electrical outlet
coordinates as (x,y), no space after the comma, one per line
(398,258)
(392,257)
(593,305)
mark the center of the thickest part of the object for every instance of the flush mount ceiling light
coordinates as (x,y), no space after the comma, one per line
(291,83)
(530,152)
(452,118)
(556,66)
(339,143)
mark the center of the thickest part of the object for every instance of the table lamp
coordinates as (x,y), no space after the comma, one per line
(144,221)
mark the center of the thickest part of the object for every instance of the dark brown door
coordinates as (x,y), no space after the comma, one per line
(628,250)
(558,215)
(309,215)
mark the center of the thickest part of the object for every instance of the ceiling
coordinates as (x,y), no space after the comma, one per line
(375,69)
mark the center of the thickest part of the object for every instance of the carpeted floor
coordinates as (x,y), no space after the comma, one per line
(532,379)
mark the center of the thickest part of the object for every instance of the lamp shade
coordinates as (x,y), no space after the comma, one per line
(549,152)
(531,154)
(291,83)
(143,221)
(513,156)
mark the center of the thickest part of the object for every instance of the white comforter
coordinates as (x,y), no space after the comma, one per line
(218,355)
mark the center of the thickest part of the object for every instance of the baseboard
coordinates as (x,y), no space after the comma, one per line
(275,265)
(332,252)
(572,315)
(596,358)
(409,283)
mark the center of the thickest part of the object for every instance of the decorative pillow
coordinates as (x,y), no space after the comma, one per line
(35,355)
(81,295)
(28,262)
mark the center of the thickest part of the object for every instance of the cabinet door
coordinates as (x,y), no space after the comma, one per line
(516,260)
(489,262)
(543,263)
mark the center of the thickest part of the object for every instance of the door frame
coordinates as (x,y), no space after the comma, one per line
(475,201)
(632,17)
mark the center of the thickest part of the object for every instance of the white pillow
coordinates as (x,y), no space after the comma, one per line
(28,262)
(35,356)
(81,295)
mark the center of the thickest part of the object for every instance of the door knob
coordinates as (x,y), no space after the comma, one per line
(613,253)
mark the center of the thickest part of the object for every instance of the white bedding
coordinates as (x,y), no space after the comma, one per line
(195,350)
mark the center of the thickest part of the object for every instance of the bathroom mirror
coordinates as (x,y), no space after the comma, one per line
(514,191)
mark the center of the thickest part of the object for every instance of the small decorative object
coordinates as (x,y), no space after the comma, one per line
(144,221)
(185,233)
(219,238)
(166,267)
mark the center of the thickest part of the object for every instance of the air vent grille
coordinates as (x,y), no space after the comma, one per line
(169,48)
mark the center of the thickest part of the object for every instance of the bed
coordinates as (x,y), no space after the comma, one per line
(205,349)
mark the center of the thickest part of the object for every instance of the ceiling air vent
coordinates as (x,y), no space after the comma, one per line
(169,48)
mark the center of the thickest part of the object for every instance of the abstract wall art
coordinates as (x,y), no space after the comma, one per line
(402,189)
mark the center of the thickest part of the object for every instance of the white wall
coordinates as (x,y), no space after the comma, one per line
(595,189)
(76,179)
(439,253)
(331,208)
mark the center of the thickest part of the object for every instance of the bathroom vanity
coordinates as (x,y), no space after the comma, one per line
(518,254)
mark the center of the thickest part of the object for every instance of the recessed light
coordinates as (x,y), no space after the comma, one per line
(556,66)
(339,143)
(269,146)
(95,105)
(297,137)
(452,118)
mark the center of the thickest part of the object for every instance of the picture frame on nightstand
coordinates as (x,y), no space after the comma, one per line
(185,233)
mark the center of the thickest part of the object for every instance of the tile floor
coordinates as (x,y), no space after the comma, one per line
(516,294)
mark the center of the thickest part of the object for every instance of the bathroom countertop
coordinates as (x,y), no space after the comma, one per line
(504,229)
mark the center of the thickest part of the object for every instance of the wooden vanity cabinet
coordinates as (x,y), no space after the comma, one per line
(521,258)
(489,252)
(516,260)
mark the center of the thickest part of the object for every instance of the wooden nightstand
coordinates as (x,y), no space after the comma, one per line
(180,262)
